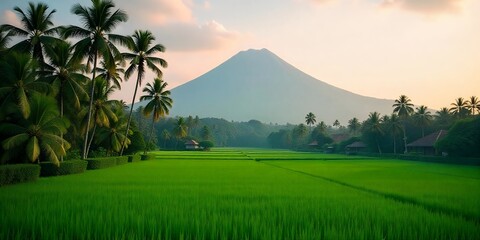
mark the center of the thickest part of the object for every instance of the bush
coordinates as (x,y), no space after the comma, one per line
(206,145)
(99,163)
(122,160)
(144,157)
(17,173)
(134,158)
(48,169)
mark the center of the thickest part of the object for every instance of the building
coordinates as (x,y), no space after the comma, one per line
(426,145)
(355,147)
(191,145)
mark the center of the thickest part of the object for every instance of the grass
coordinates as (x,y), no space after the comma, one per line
(202,196)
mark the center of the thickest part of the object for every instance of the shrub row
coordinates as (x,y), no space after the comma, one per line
(134,158)
(67,167)
(144,157)
(17,173)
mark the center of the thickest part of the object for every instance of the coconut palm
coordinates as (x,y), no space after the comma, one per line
(354,125)
(159,102)
(111,71)
(459,108)
(403,107)
(474,105)
(443,117)
(99,20)
(394,126)
(180,130)
(310,119)
(5,38)
(112,136)
(38,134)
(166,136)
(141,58)
(18,83)
(374,125)
(64,72)
(422,118)
(102,112)
(322,127)
(37,28)
(336,123)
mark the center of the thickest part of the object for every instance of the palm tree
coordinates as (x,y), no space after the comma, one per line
(38,134)
(159,102)
(299,133)
(310,119)
(113,136)
(37,28)
(98,20)
(111,71)
(18,83)
(354,125)
(374,125)
(64,72)
(102,112)
(140,44)
(5,38)
(403,108)
(459,108)
(473,104)
(394,126)
(322,127)
(336,123)
(422,118)
(180,130)
(443,117)
(166,136)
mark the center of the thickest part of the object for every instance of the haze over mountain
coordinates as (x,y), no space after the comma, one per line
(257,84)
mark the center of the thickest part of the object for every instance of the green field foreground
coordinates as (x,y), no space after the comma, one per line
(249,194)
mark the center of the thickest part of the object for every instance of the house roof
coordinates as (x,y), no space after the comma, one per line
(429,140)
(357,145)
(191,142)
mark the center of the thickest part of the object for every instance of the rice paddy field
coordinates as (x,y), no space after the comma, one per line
(249,194)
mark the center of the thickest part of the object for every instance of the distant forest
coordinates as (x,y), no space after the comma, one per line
(380,134)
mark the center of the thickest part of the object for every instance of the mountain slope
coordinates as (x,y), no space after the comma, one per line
(256,84)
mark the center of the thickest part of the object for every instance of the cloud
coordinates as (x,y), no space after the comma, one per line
(425,6)
(9,17)
(191,36)
(158,12)
(174,25)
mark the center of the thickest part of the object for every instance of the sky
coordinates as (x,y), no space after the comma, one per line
(428,50)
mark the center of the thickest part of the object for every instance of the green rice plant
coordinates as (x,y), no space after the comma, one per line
(210,199)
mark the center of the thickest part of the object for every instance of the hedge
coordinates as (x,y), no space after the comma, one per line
(427,158)
(134,158)
(99,163)
(17,173)
(67,167)
(144,157)
(122,160)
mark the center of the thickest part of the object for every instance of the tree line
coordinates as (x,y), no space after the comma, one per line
(391,133)
(56,84)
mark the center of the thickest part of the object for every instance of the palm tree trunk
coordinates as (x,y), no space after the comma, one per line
(91,138)
(423,132)
(61,115)
(92,91)
(394,145)
(405,140)
(130,114)
(151,133)
(378,146)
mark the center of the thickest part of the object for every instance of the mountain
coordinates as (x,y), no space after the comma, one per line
(257,84)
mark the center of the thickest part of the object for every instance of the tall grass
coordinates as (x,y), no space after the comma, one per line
(211,199)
